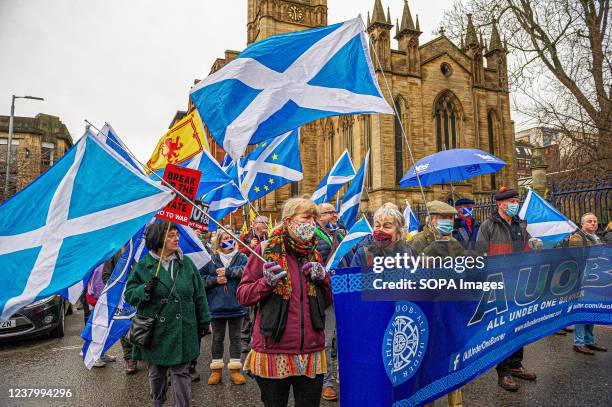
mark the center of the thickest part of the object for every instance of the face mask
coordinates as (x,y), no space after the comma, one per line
(228,245)
(382,238)
(512,209)
(303,231)
(445,226)
(330,227)
(467,212)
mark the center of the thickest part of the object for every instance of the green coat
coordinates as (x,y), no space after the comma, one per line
(425,243)
(175,336)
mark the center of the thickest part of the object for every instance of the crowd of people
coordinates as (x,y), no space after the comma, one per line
(272,293)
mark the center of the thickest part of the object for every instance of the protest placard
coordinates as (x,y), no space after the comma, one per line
(186,181)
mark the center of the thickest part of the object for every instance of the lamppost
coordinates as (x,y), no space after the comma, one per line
(10,140)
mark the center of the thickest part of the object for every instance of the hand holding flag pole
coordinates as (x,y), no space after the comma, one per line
(179,193)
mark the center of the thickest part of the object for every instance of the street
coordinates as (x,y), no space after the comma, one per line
(565,378)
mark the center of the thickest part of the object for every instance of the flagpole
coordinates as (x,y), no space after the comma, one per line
(179,193)
(401,125)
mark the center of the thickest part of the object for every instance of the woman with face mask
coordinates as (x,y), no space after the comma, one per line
(388,237)
(291,290)
(221,277)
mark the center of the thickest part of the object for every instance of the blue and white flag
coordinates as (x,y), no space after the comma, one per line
(352,197)
(412,222)
(225,199)
(360,230)
(341,173)
(74,216)
(109,136)
(110,319)
(73,293)
(287,80)
(544,221)
(272,165)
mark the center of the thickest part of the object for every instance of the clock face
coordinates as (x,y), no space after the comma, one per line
(295,13)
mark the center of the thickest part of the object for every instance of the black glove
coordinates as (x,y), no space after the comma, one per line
(150,286)
(203,329)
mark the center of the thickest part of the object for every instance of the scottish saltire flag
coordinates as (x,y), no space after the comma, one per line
(544,221)
(109,136)
(74,216)
(412,222)
(73,293)
(271,165)
(110,319)
(341,173)
(359,230)
(352,197)
(280,83)
(225,199)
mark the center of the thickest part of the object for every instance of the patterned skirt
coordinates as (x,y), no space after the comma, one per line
(282,365)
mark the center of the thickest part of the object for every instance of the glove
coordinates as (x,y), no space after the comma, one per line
(315,270)
(150,286)
(203,329)
(272,272)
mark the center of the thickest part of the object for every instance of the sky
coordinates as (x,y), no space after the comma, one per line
(131,62)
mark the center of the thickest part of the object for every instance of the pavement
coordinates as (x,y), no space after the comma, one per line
(565,378)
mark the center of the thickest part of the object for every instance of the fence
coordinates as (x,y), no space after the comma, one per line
(572,197)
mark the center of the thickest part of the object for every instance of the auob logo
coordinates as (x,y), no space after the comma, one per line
(487,157)
(405,342)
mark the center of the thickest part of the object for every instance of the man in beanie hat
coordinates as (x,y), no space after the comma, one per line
(504,233)
(466,227)
(442,244)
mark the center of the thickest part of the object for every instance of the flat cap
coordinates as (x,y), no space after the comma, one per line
(505,193)
(464,201)
(440,208)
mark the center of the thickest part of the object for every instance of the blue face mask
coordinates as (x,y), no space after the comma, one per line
(467,212)
(228,245)
(512,209)
(445,226)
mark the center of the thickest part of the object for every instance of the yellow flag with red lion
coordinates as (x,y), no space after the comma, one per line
(182,142)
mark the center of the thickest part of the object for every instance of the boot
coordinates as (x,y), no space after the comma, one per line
(217,372)
(234,367)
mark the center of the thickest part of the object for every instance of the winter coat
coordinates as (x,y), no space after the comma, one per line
(175,333)
(222,300)
(299,336)
(580,238)
(328,243)
(496,236)
(462,233)
(248,237)
(607,237)
(364,257)
(425,243)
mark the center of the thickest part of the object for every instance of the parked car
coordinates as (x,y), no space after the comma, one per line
(46,316)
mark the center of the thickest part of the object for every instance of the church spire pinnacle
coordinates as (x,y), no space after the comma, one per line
(407,23)
(471,39)
(495,44)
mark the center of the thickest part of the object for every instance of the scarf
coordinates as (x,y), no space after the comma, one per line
(226,258)
(276,250)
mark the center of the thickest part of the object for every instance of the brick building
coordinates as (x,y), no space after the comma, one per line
(447,96)
(38,142)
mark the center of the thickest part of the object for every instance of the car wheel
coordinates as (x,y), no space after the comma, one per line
(69,309)
(59,331)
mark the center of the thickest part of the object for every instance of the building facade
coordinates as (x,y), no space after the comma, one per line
(38,142)
(446,96)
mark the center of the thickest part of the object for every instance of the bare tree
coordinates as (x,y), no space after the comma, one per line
(560,67)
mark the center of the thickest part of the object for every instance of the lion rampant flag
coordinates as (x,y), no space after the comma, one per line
(184,141)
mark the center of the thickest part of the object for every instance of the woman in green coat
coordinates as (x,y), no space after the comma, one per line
(182,322)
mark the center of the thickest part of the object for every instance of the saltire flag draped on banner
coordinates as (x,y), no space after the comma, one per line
(287,80)
(359,230)
(412,222)
(409,353)
(341,173)
(183,141)
(74,216)
(110,319)
(109,136)
(544,221)
(352,197)
(271,165)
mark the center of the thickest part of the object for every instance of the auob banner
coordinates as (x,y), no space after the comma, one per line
(405,352)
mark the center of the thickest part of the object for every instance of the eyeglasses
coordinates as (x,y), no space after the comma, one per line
(173,236)
(333,213)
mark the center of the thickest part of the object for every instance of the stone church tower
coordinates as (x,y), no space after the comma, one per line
(445,96)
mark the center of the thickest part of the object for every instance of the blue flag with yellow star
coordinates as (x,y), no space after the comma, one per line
(271,165)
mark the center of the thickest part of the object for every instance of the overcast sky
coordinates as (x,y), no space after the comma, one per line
(132,62)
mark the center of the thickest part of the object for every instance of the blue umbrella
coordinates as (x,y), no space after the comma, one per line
(451,165)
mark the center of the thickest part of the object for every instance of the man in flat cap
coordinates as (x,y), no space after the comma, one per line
(503,233)
(466,226)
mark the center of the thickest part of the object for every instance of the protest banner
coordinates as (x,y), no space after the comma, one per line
(198,220)
(186,181)
(413,352)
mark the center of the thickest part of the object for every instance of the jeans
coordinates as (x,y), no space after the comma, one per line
(513,361)
(218,337)
(583,334)
(330,332)
(181,384)
(306,391)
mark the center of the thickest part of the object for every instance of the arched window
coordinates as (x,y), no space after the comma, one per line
(347,133)
(491,136)
(399,144)
(368,146)
(447,117)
